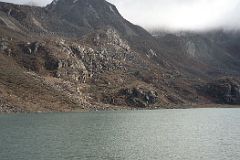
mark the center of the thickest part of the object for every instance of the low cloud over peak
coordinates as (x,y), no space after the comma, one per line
(176,14)
(182,14)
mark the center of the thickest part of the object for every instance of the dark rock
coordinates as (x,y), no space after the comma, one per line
(224,91)
(34,47)
(31,48)
(52,64)
(140,97)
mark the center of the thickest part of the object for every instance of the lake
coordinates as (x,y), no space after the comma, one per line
(191,134)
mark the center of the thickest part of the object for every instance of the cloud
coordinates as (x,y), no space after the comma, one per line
(182,14)
(29,2)
(176,14)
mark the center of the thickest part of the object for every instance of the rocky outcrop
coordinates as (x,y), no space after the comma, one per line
(82,62)
(140,97)
(31,48)
(224,91)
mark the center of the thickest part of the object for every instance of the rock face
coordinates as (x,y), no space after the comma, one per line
(224,91)
(140,97)
(207,53)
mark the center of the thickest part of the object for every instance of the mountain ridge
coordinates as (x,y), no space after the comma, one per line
(86,56)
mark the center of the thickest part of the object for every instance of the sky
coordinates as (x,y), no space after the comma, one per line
(175,14)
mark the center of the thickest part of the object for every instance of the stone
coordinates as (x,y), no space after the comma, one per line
(3,45)
(35,46)
(140,97)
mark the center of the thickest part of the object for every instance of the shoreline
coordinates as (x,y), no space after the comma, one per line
(173,107)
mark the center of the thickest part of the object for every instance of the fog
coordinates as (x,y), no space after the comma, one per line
(175,14)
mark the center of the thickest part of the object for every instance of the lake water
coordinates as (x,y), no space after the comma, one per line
(194,134)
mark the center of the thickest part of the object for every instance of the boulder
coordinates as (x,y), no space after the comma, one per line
(31,48)
(140,97)
(52,63)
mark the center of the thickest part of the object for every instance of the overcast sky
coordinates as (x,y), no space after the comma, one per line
(175,14)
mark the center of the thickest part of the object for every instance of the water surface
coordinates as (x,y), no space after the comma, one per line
(193,134)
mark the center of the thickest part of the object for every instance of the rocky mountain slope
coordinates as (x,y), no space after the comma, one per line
(215,50)
(75,55)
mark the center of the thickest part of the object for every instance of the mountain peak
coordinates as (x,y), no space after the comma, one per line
(65,3)
(91,14)
(98,8)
